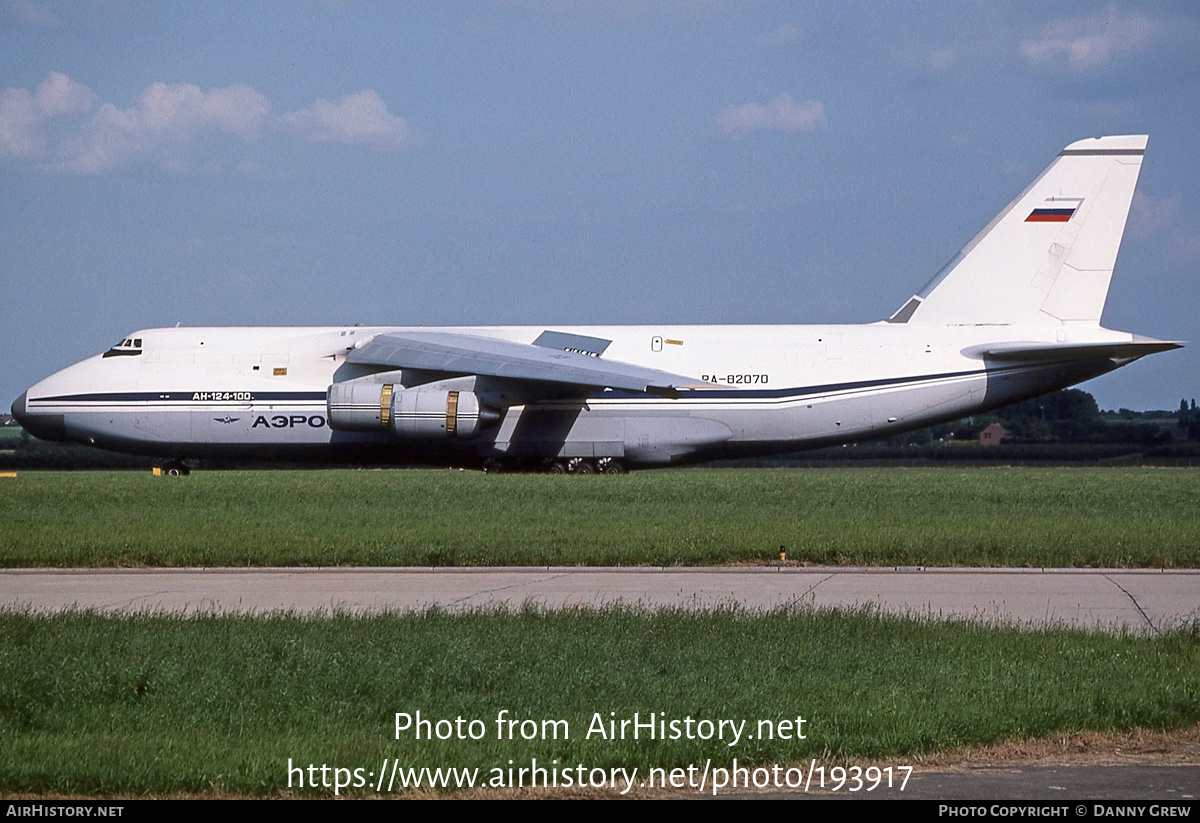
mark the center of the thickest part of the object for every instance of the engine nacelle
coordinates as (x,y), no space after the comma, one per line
(360,405)
(426,413)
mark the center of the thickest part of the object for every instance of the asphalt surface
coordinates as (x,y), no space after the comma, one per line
(1133,600)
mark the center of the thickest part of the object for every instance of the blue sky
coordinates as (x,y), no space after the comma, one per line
(528,161)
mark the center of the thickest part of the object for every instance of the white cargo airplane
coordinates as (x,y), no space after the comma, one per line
(1014,315)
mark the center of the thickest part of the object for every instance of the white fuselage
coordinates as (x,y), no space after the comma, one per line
(262,392)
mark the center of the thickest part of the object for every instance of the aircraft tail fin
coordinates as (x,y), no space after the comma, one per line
(1048,257)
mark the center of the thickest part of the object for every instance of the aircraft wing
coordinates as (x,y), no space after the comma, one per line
(466,354)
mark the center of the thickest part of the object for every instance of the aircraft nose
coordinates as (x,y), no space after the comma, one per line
(44,426)
(18,408)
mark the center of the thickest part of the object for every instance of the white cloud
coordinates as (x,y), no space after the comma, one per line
(1149,216)
(163,122)
(1183,244)
(940,62)
(23,116)
(1164,220)
(27,13)
(177,127)
(786,35)
(59,94)
(20,125)
(781,113)
(1090,43)
(359,119)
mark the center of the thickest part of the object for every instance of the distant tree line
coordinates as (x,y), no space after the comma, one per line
(1189,419)
(1064,427)
(1067,416)
(21,450)
(1072,416)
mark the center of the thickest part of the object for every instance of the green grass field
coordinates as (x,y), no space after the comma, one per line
(127,706)
(933,517)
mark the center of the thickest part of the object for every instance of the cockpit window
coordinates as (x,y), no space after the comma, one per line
(129,347)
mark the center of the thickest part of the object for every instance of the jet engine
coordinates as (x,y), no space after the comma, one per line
(362,405)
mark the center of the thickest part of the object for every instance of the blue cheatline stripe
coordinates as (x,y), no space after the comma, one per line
(715,393)
(827,388)
(179,397)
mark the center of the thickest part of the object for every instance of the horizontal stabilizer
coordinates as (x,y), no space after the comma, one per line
(1049,352)
(456,353)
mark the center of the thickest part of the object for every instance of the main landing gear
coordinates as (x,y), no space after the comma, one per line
(581,465)
(572,465)
(610,465)
(176,468)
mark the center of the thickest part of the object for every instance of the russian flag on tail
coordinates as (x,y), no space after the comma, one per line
(1049,215)
(1056,211)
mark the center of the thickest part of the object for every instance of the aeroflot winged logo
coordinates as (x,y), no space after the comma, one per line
(1055,210)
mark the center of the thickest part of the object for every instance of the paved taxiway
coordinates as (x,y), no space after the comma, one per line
(1138,600)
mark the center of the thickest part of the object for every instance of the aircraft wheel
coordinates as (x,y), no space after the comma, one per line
(492,467)
(557,467)
(176,470)
(610,466)
(580,466)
